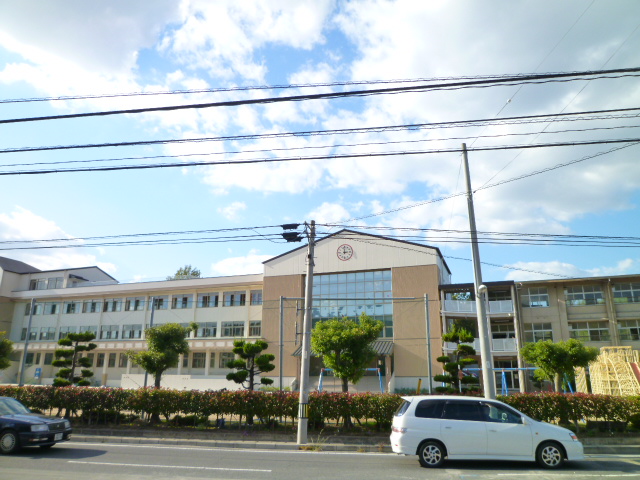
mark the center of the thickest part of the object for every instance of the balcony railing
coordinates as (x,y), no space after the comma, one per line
(497,345)
(466,306)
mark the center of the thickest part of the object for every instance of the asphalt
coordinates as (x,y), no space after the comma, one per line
(316,442)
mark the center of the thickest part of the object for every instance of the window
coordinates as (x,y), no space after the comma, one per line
(455,410)
(429,409)
(134,304)
(100,360)
(109,332)
(72,307)
(123,360)
(160,303)
(38,284)
(91,306)
(234,299)
(206,300)
(182,301)
(89,328)
(626,293)
(113,304)
(334,294)
(198,359)
(233,329)
(29,358)
(51,308)
(112,360)
(590,331)
(37,308)
(498,413)
(33,334)
(584,295)
(225,357)
(90,357)
(48,358)
(535,297)
(255,328)
(47,333)
(132,331)
(503,330)
(537,332)
(185,360)
(207,329)
(629,329)
(256,297)
(64,331)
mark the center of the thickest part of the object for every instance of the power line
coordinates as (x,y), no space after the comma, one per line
(535,78)
(517,120)
(319,157)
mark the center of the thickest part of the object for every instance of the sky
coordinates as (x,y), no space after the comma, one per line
(224,219)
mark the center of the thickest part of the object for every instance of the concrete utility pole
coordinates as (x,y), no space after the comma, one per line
(153,308)
(303,407)
(488,379)
(428,321)
(26,344)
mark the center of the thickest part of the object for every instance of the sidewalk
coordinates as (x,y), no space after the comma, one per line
(316,442)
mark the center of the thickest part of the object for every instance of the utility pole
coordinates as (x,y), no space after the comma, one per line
(488,380)
(428,321)
(26,343)
(303,407)
(153,308)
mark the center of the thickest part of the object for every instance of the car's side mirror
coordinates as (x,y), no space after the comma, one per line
(524,421)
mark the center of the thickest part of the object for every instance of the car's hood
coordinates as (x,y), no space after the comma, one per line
(32,418)
(543,427)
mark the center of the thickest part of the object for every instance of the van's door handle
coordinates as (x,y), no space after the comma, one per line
(448,428)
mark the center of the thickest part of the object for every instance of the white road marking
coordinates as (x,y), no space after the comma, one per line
(172,466)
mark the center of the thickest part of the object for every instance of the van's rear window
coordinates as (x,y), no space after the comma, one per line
(402,408)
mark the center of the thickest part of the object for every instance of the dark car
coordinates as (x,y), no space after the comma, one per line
(21,428)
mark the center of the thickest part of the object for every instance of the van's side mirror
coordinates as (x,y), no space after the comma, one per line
(524,421)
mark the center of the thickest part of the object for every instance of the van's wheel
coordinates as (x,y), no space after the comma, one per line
(550,455)
(431,454)
(9,441)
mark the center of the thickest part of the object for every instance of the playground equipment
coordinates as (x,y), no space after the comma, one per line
(325,370)
(614,372)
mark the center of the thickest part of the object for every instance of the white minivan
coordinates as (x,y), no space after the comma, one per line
(471,428)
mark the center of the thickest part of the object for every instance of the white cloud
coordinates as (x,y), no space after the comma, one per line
(249,264)
(230,212)
(330,213)
(544,270)
(23,225)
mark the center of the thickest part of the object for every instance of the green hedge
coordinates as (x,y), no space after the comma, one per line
(94,405)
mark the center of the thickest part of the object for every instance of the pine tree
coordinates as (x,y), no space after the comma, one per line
(68,359)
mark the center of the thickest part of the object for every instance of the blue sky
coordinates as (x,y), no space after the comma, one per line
(60,48)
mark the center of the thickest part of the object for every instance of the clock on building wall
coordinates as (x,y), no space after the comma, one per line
(345,252)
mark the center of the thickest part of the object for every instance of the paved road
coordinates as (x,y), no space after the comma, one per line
(86,461)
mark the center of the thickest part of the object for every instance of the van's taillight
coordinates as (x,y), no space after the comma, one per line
(398,429)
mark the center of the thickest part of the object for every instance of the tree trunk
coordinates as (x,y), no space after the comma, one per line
(557,383)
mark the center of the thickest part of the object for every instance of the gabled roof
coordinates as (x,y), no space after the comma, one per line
(377,237)
(15,266)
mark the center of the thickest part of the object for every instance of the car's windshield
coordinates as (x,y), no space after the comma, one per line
(10,406)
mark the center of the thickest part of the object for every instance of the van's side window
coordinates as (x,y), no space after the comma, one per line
(429,409)
(455,410)
(498,413)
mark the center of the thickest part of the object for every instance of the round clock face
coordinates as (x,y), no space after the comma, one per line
(345,252)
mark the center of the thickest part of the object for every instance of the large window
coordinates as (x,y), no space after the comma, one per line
(46,283)
(207,329)
(109,332)
(503,330)
(626,293)
(234,299)
(182,301)
(349,294)
(256,297)
(33,334)
(51,308)
(132,331)
(255,328)
(584,295)
(206,300)
(47,333)
(112,304)
(160,303)
(134,304)
(629,329)
(535,297)
(64,331)
(590,331)
(91,306)
(233,329)
(537,332)
(89,328)
(72,307)
(123,360)
(225,357)
(198,359)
